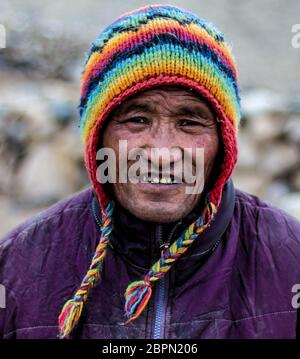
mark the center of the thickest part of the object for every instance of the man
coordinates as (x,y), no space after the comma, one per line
(146,258)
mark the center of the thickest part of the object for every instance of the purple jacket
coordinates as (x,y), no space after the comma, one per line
(234,282)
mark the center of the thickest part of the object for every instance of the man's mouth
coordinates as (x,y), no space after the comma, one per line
(168,180)
(155,178)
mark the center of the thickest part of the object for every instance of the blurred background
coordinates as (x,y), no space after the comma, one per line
(41,158)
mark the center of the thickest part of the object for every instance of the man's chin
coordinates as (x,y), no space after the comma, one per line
(160,212)
(162,207)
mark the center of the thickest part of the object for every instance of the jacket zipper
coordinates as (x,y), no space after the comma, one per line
(161,294)
(160,301)
(97,219)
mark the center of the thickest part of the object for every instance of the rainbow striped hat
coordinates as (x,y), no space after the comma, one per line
(153,46)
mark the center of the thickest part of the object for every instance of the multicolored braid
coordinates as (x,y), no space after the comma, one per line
(153,46)
(72,309)
(138,293)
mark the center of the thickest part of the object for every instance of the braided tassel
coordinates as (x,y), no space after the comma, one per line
(138,293)
(72,309)
(69,316)
(137,296)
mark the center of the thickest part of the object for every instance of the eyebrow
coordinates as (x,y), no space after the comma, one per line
(193,111)
(133,106)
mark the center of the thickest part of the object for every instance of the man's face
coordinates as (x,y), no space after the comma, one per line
(166,117)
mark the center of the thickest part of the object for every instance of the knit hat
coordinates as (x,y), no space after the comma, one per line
(152,46)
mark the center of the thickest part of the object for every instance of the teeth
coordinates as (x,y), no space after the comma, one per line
(156,180)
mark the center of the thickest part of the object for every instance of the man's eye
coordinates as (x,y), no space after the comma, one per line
(186,122)
(137,120)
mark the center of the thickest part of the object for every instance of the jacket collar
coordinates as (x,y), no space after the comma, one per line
(140,242)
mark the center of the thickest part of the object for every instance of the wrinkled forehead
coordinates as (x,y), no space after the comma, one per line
(171,98)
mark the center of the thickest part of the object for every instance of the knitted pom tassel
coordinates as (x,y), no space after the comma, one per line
(137,296)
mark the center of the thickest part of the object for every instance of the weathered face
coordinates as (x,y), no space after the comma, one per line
(166,117)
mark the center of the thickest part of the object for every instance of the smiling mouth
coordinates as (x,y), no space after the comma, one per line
(164,180)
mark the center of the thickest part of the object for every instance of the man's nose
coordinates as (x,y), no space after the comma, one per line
(163,152)
(162,158)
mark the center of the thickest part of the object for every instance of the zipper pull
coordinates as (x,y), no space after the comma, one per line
(163,247)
